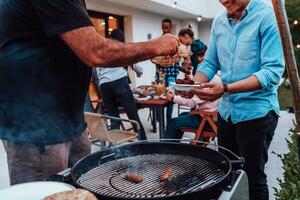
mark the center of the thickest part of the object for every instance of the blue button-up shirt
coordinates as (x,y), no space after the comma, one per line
(252,46)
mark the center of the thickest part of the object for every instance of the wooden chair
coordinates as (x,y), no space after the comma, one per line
(207,118)
(98,131)
(94,96)
(184,108)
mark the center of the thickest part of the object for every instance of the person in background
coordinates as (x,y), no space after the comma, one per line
(47,51)
(115,90)
(186,37)
(245,45)
(170,72)
(185,120)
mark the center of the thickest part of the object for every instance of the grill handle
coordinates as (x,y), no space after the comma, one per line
(236,162)
(63,176)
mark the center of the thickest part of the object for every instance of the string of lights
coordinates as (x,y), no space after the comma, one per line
(296,22)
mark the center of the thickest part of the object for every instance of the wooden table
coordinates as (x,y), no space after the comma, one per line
(158,106)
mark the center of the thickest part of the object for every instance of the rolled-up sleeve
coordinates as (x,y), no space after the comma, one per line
(272,57)
(210,64)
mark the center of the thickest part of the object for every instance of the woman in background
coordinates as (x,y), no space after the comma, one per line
(115,90)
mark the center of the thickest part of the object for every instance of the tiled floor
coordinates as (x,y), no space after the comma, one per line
(273,168)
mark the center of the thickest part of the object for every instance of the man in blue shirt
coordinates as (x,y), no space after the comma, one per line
(245,45)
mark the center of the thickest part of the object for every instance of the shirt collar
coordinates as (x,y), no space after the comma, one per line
(250,7)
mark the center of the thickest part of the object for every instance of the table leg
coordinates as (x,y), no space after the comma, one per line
(161,122)
(154,113)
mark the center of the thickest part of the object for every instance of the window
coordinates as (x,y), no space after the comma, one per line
(105,23)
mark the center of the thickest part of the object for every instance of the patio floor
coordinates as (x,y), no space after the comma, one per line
(273,168)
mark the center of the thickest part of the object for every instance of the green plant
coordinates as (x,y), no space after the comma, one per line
(290,185)
(293,13)
(285,97)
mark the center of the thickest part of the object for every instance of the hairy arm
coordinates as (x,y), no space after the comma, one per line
(95,50)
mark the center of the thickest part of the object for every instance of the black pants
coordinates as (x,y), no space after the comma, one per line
(118,93)
(251,140)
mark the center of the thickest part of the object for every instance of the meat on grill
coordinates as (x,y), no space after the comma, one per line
(166,176)
(134,178)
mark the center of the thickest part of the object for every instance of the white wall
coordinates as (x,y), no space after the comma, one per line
(206,8)
(204,31)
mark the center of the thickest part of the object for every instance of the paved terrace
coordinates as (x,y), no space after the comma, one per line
(274,165)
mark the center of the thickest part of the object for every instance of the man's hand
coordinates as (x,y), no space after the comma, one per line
(167,45)
(209,91)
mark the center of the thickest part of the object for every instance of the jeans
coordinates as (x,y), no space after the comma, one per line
(169,112)
(30,163)
(183,120)
(251,140)
(117,93)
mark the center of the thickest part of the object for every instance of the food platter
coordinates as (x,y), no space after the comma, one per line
(185,87)
(141,97)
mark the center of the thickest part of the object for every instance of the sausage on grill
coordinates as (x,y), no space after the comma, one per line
(166,176)
(134,178)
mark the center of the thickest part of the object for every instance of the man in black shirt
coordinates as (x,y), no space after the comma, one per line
(46,50)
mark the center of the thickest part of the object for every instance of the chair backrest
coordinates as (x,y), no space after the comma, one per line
(207,118)
(94,95)
(97,126)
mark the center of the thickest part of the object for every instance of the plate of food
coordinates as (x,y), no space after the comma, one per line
(141,97)
(166,61)
(163,96)
(185,87)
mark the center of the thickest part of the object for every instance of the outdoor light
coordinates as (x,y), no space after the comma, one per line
(110,17)
(103,23)
(298,46)
(296,22)
(175,4)
(199,18)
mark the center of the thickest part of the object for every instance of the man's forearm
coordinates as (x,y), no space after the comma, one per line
(245,85)
(95,50)
(124,53)
(200,78)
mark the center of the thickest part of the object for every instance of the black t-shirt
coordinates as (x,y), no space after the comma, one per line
(43,84)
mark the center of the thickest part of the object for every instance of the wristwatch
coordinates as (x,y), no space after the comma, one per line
(226,91)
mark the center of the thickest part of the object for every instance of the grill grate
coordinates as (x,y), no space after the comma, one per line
(189,174)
